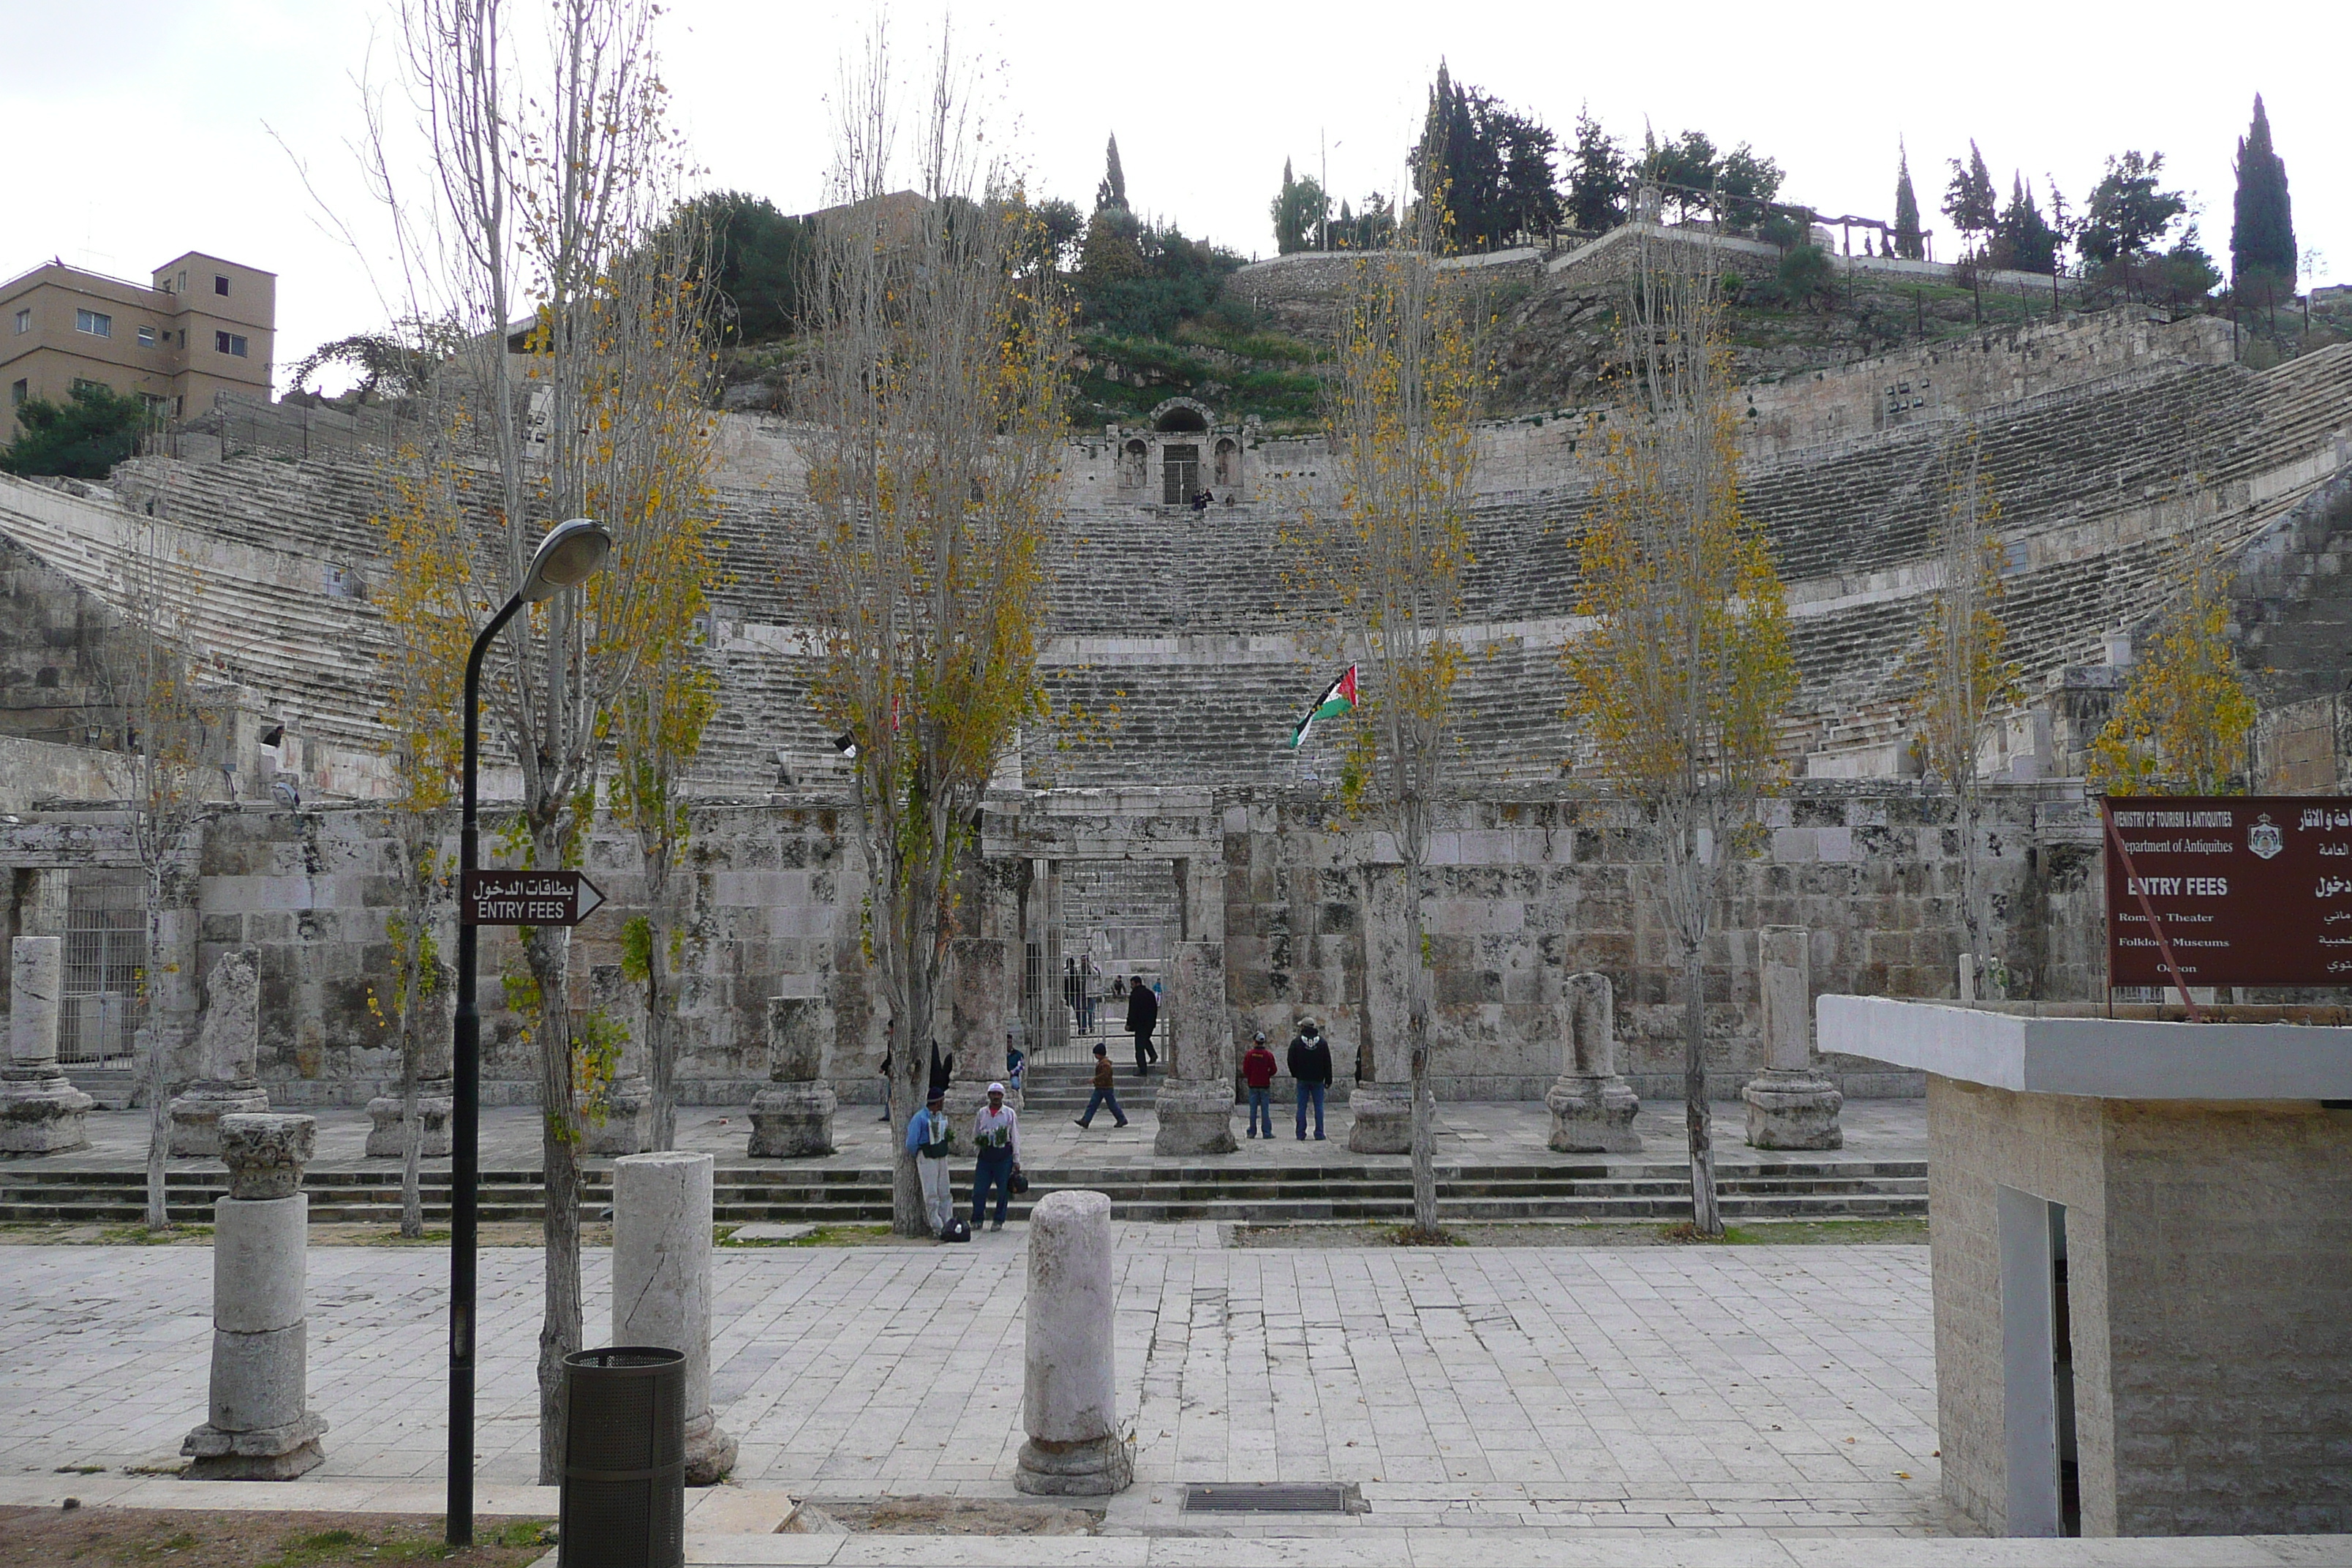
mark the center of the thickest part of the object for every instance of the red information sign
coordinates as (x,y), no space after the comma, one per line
(2246,890)
(527,899)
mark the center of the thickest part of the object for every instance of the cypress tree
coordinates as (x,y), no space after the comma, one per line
(1908,245)
(1112,192)
(2261,234)
(1969,201)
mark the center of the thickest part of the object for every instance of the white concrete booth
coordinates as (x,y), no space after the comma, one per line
(2141,1237)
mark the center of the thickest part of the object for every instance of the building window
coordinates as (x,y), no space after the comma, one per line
(158,406)
(146,337)
(18,392)
(228,343)
(97,323)
(220,284)
(24,323)
(181,287)
(83,383)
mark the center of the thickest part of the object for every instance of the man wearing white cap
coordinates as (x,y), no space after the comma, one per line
(996,1132)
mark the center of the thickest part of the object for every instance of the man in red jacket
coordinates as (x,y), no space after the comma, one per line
(1257,1069)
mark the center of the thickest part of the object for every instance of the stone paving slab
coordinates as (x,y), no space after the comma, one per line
(1743,1390)
(1469,1133)
(1478,1549)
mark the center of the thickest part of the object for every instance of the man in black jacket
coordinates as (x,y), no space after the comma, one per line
(1142,1014)
(1310,1064)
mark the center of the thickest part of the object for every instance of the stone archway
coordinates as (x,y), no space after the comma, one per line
(1183,415)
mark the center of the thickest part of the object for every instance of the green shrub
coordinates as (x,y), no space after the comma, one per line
(82,438)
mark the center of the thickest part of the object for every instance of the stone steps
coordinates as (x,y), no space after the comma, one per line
(1341,1189)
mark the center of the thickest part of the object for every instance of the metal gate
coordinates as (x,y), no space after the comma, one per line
(105,946)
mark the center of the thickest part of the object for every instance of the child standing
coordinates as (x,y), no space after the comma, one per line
(1257,1070)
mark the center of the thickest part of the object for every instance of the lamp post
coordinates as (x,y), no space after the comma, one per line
(571,553)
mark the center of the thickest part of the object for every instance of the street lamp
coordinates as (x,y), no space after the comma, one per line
(571,553)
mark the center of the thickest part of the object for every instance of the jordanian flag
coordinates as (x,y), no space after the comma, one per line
(1338,698)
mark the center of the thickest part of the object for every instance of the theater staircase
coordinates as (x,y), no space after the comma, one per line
(1339,1186)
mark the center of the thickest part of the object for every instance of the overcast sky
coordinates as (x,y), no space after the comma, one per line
(139,130)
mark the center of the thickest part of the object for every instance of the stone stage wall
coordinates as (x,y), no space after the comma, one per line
(772,898)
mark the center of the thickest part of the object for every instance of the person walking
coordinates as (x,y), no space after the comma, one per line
(927,1139)
(996,1133)
(1103,1092)
(1257,1071)
(1142,1014)
(884,1070)
(1310,1064)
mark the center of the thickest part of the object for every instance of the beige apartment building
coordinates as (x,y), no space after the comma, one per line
(205,325)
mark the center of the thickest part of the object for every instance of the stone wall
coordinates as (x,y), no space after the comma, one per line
(2201,1406)
(772,899)
(1518,888)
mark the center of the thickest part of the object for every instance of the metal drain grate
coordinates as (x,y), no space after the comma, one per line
(1264,1496)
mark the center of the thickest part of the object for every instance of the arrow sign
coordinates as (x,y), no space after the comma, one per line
(527,899)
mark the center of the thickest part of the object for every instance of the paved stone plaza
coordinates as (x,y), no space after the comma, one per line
(1729,1389)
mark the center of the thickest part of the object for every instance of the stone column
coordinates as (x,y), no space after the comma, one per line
(1195,1103)
(661,1285)
(228,1047)
(1791,1105)
(40,1111)
(983,972)
(1069,1403)
(1592,1109)
(260,1426)
(1381,1108)
(628,1127)
(793,1117)
(437,1014)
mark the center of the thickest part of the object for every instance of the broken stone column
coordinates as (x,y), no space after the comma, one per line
(40,1111)
(661,1285)
(1381,1106)
(1791,1105)
(261,1427)
(387,1137)
(1195,1104)
(228,1047)
(793,1117)
(1592,1109)
(1068,1389)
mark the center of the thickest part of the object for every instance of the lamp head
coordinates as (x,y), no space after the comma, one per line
(571,553)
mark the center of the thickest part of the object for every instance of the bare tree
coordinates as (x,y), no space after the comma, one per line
(555,179)
(1682,679)
(1963,683)
(1402,443)
(935,384)
(149,680)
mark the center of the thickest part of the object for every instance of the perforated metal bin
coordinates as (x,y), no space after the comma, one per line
(624,1503)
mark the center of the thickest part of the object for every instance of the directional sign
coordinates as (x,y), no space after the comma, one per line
(2246,890)
(527,899)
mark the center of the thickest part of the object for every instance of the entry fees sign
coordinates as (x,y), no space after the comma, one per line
(2250,889)
(527,899)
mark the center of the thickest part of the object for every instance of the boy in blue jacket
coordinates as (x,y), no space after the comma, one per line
(927,1140)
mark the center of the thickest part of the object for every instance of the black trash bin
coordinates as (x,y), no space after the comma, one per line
(624,1503)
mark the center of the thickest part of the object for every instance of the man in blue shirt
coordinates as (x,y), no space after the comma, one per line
(927,1140)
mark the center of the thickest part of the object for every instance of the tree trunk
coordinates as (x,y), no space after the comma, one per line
(159,1075)
(1707,1215)
(412,1129)
(1423,1125)
(159,1125)
(548,952)
(911,1074)
(661,1030)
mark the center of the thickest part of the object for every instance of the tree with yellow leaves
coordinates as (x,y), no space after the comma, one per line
(1680,682)
(553,259)
(1389,562)
(2181,726)
(935,384)
(427,615)
(1962,681)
